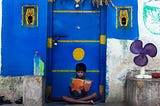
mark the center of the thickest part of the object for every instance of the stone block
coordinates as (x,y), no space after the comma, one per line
(11,87)
(34,91)
(143,92)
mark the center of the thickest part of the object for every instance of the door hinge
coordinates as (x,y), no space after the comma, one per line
(49,42)
(102,39)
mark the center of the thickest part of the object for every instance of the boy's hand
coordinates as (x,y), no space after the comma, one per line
(81,88)
(72,85)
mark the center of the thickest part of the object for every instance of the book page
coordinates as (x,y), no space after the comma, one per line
(76,84)
(87,85)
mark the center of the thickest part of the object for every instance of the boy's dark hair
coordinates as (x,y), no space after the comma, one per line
(80,67)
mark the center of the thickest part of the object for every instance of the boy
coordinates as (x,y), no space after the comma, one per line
(82,97)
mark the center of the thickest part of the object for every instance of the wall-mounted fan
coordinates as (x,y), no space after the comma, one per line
(141,59)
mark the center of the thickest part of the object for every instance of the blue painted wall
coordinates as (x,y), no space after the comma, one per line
(19,42)
(128,33)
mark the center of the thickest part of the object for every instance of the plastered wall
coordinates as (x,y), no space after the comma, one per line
(120,59)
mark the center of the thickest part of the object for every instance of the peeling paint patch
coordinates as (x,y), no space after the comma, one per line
(121,77)
(11,87)
(119,63)
(38,80)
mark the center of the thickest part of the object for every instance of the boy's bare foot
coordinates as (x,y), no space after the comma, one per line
(92,102)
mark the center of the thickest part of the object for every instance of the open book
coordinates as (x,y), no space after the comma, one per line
(77,83)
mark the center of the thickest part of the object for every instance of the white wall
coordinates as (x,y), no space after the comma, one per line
(0,30)
(119,57)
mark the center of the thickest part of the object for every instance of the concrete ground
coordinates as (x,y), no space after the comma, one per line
(66,104)
(97,104)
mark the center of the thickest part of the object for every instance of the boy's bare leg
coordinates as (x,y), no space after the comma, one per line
(88,97)
(72,100)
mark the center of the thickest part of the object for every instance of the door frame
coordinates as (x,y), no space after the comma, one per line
(103,86)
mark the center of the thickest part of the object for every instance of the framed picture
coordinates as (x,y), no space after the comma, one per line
(30,15)
(123,17)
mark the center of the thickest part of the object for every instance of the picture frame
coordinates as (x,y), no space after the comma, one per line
(30,15)
(123,17)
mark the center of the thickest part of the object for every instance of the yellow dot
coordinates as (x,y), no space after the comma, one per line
(77,1)
(78,54)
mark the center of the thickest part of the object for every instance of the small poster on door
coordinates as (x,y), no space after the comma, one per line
(124,17)
(30,15)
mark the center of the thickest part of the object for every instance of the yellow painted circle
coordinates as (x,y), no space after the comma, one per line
(78,54)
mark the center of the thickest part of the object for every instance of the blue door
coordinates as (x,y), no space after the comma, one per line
(76,38)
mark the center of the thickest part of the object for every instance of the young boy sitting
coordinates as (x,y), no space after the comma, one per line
(82,97)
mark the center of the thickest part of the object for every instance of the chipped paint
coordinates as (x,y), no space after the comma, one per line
(38,80)
(11,87)
(117,54)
